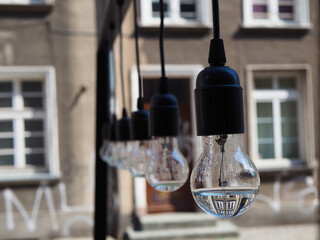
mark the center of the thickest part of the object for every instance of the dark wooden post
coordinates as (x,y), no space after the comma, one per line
(101,169)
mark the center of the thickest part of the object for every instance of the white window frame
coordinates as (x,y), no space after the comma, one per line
(26,2)
(301,19)
(175,20)
(306,128)
(18,173)
(154,71)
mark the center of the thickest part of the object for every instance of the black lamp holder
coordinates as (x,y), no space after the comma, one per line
(140,119)
(218,94)
(164,109)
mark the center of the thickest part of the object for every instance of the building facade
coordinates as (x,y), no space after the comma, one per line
(47,106)
(47,99)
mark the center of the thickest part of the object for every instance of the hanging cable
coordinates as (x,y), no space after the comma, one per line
(216,21)
(217,56)
(124,111)
(136,34)
(163,88)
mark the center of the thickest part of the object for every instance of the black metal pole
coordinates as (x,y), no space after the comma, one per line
(102,115)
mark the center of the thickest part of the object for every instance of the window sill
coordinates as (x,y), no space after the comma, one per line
(27,179)
(176,28)
(284,170)
(262,26)
(10,7)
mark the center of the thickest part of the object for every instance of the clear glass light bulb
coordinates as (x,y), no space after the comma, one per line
(168,169)
(224,182)
(124,149)
(108,153)
(139,157)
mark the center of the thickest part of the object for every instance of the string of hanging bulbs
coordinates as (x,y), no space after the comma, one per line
(224,182)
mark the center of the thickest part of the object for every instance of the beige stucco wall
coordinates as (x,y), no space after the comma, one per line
(65,38)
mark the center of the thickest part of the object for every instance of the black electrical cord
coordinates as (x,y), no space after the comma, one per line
(124,111)
(136,34)
(216,21)
(164,88)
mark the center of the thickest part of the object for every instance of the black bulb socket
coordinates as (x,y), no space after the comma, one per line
(218,96)
(139,125)
(219,102)
(123,128)
(164,116)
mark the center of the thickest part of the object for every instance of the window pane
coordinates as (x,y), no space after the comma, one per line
(32,86)
(286,9)
(263,83)
(156,8)
(287,83)
(188,9)
(5,102)
(260,9)
(6,160)
(289,110)
(289,123)
(33,125)
(34,142)
(264,110)
(35,159)
(5,87)
(290,150)
(6,126)
(6,143)
(265,130)
(33,102)
(289,129)
(266,151)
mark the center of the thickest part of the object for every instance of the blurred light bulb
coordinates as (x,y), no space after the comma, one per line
(224,182)
(124,149)
(168,169)
(108,153)
(139,157)
(103,149)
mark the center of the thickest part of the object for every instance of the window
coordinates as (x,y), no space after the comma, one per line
(26,2)
(28,131)
(276,13)
(279,118)
(177,12)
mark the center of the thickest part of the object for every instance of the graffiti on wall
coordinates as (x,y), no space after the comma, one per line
(287,189)
(76,214)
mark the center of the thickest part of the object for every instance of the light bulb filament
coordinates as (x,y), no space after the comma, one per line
(223,182)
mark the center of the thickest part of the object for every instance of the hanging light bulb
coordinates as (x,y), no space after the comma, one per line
(141,143)
(168,169)
(140,155)
(224,181)
(108,151)
(124,146)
